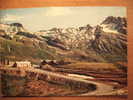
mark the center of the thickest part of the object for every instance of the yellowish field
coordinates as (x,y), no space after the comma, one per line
(91,65)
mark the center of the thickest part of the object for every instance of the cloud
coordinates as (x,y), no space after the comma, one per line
(7,18)
(57,11)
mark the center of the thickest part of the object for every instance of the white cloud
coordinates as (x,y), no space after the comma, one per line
(57,11)
(8,17)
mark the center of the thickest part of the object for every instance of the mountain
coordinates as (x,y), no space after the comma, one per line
(106,42)
(12,28)
(69,37)
(115,25)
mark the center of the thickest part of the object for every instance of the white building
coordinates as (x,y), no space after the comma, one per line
(22,64)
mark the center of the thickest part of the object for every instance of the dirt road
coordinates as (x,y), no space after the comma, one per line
(101,88)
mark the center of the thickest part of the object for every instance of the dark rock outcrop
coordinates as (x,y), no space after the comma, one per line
(116,23)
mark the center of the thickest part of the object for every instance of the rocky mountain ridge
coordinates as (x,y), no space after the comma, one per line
(115,25)
(12,28)
(107,41)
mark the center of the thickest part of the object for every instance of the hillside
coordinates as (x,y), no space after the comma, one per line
(106,42)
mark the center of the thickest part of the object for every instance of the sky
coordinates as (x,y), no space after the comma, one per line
(35,19)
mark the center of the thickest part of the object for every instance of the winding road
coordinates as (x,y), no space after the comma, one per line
(101,88)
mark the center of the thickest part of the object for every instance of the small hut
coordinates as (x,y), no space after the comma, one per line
(49,62)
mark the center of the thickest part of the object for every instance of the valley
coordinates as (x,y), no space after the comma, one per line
(74,61)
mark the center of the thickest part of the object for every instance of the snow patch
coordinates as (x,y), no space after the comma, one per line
(80,76)
(106,29)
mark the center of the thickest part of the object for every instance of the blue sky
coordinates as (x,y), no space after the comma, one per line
(35,19)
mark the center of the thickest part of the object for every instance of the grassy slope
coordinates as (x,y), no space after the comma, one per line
(26,49)
(18,51)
